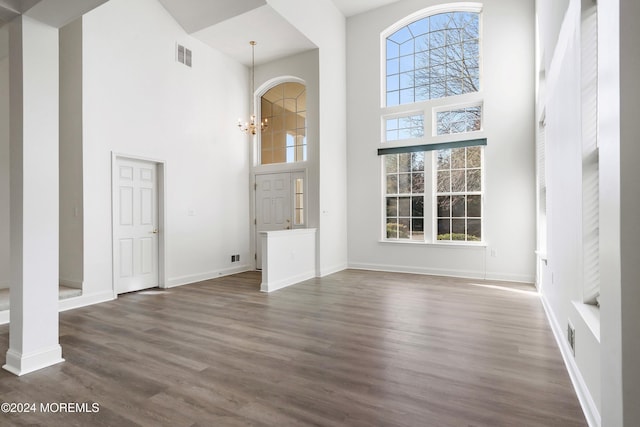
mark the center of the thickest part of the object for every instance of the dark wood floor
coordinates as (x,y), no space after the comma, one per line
(353,349)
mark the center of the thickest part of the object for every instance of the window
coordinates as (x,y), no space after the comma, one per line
(405,196)
(298,188)
(433,57)
(459,194)
(404,127)
(432,170)
(285,109)
(459,120)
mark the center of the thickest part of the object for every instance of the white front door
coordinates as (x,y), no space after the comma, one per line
(135,226)
(273,206)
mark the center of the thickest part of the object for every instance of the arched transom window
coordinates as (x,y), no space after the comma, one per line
(433,57)
(285,108)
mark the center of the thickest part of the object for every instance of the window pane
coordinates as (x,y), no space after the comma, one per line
(474,180)
(404,183)
(405,162)
(404,206)
(444,228)
(417,229)
(444,159)
(404,127)
(444,181)
(420,27)
(392,206)
(393,98)
(392,228)
(457,158)
(474,229)
(458,231)
(406,66)
(417,206)
(391,163)
(393,66)
(392,184)
(458,121)
(457,206)
(404,228)
(393,49)
(474,208)
(417,183)
(417,161)
(444,206)
(458,181)
(473,157)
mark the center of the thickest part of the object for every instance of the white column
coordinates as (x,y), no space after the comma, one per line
(33,62)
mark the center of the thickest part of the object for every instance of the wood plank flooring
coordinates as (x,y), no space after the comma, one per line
(356,348)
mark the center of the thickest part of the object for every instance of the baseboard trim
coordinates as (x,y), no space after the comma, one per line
(21,364)
(332,269)
(85,300)
(584,397)
(470,274)
(508,277)
(283,283)
(194,278)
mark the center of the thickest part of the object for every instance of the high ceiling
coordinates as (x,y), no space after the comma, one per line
(354,7)
(229,25)
(225,25)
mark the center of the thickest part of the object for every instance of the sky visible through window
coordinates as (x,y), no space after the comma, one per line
(433,57)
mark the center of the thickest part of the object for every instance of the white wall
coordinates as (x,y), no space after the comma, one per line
(71,256)
(4,161)
(619,94)
(561,281)
(322,23)
(303,66)
(137,100)
(508,91)
(629,208)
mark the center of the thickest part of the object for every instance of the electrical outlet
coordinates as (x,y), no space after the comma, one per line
(571,337)
(237,257)
(233,258)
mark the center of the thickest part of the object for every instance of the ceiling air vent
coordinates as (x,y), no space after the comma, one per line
(183,55)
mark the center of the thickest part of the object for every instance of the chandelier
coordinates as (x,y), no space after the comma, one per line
(251,127)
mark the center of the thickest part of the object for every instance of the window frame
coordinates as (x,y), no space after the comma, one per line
(257,144)
(465,193)
(471,7)
(429,109)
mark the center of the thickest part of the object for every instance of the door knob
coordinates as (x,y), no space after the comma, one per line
(155,231)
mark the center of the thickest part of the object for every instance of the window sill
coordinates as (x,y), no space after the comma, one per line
(591,316)
(461,245)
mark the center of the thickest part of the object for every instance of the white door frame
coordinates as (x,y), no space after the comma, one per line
(162,235)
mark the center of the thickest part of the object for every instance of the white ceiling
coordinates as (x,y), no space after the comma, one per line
(225,25)
(354,7)
(275,37)
(194,15)
(229,25)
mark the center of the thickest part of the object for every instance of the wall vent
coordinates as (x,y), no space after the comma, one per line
(571,337)
(183,55)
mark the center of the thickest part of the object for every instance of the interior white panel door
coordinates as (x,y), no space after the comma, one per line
(273,206)
(136,226)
